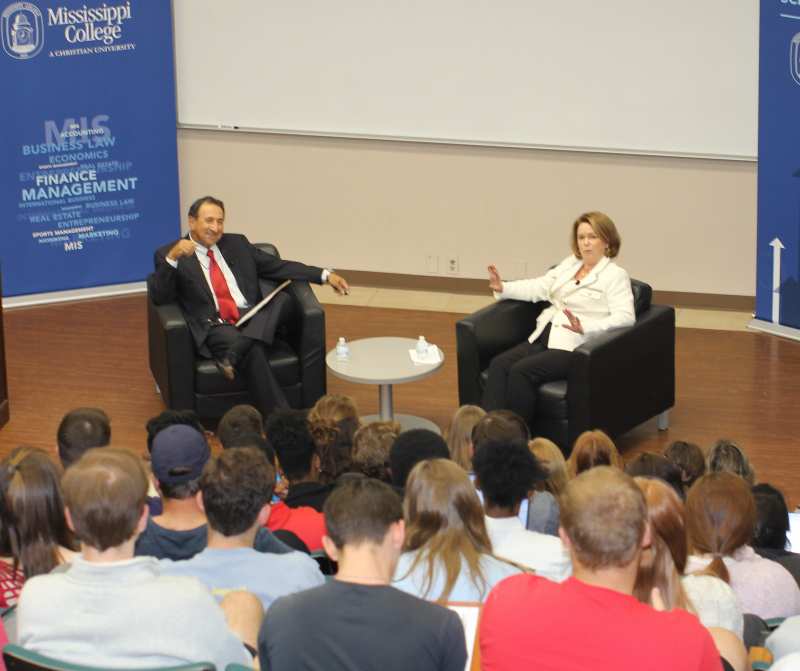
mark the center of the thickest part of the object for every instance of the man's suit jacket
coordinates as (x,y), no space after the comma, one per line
(602,300)
(187,285)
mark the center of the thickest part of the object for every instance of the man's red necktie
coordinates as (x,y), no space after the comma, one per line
(227,306)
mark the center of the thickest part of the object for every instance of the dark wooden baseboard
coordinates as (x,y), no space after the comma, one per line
(460,285)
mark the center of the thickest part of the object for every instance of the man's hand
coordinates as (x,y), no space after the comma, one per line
(181,248)
(339,284)
(495,283)
(574,322)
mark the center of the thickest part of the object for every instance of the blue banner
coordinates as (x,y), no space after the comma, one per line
(778,240)
(89,175)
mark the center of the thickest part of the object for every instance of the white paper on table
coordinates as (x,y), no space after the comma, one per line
(433,355)
(469,613)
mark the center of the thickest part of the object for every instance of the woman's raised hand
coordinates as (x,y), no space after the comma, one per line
(495,283)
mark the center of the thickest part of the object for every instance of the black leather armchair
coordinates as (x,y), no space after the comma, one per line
(188,382)
(617,380)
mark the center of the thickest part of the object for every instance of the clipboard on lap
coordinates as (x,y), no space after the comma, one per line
(264,301)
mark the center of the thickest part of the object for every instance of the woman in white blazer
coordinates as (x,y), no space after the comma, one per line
(588,294)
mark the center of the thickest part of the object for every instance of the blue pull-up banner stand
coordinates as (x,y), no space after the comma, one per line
(89,175)
(778,240)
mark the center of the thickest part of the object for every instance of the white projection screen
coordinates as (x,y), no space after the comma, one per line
(674,77)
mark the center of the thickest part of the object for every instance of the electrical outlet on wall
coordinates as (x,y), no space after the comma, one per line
(451,265)
(432,264)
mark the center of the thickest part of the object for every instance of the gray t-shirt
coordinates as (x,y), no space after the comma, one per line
(266,575)
(343,626)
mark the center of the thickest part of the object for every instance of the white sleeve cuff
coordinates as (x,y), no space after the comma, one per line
(171,262)
(325,273)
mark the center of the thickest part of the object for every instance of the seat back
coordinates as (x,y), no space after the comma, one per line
(642,295)
(18,658)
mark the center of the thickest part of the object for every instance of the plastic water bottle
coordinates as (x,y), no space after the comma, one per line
(422,347)
(342,350)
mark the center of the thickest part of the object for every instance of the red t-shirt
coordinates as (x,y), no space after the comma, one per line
(304,522)
(529,622)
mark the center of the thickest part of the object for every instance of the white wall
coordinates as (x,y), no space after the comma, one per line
(687,224)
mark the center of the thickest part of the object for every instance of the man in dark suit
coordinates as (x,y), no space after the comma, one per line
(214,277)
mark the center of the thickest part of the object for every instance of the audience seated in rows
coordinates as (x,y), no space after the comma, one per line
(115,610)
(410,448)
(459,434)
(235,492)
(720,519)
(592,620)
(333,422)
(447,554)
(505,472)
(662,567)
(772,525)
(239,422)
(34,536)
(372,445)
(82,429)
(357,620)
(179,454)
(689,458)
(727,456)
(289,435)
(592,448)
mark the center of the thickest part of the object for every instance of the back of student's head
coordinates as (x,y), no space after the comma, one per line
(288,434)
(105,493)
(334,408)
(32,523)
(651,465)
(179,454)
(506,471)
(592,448)
(459,434)
(499,425)
(255,440)
(772,518)
(236,485)
(410,448)
(444,525)
(689,458)
(361,510)
(334,444)
(725,455)
(239,420)
(80,430)
(371,447)
(662,564)
(720,518)
(551,458)
(170,418)
(604,515)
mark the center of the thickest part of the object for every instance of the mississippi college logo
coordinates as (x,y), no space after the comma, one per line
(22,30)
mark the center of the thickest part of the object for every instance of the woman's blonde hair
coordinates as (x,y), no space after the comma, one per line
(444,525)
(592,448)
(333,408)
(459,434)
(605,229)
(552,459)
(663,563)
